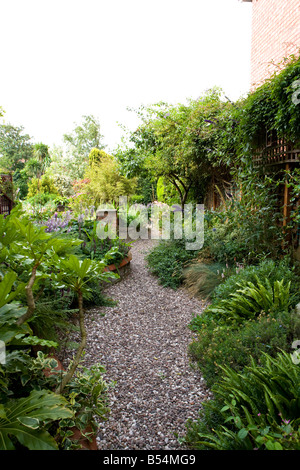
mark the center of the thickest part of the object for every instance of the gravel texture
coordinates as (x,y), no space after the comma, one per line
(143,344)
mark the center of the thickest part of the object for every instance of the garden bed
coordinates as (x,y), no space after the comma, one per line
(86,443)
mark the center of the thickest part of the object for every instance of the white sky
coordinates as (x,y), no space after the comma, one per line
(61,59)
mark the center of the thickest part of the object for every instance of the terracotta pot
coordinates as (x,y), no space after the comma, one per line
(83,441)
(124,262)
(59,366)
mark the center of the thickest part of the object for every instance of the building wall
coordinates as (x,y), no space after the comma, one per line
(275,35)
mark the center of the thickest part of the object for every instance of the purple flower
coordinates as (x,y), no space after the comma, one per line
(80,218)
(55,223)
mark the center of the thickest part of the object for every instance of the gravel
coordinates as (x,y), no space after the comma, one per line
(143,344)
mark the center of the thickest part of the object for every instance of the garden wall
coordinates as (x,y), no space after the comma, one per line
(275,35)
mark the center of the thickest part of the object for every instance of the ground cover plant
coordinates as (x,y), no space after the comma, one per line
(257,409)
(167,261)
(250,312)
(253,314)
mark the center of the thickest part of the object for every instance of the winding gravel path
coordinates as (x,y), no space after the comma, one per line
(143,343)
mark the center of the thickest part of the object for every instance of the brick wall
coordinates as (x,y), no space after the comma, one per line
(275,35)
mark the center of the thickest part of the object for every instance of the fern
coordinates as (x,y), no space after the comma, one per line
(249,301)
(254,407)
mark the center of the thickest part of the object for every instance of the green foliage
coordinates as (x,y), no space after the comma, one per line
(15,147)
(218,344)
(106,184)
(255,409)
(246,227)
(250,312)
(272,107)
(36,265)
(167,261)
(182,143)
(84,137)
(96,248)
(77,274)
(166,192)
(293,183)
(266,270)
(25,419)
(45,185)
(64,168)
(95,156)
(87,392)
(32,169)
(249,301)
(19,155)
(202,278)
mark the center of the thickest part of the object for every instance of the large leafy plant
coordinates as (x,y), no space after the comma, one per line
(26,420)
(255,409)
(77,275)
(29,258)
(250,300)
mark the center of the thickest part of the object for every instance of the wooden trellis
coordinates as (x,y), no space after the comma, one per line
(274,154)
(6,198)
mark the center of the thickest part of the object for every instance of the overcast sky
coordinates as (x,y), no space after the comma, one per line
(63,59)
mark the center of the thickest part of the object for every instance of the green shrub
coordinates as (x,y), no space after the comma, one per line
(44,185)
(218,345)
(226,244)
(88,395)
(256,409)
(42,199)
(250,300)
(265,270)
(167,261)
(25,421)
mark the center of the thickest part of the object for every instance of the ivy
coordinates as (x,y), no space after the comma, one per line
(273,106)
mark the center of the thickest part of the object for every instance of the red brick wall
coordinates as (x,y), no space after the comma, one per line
(275,35)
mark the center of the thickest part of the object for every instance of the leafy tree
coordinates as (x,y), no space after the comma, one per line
(84,137)
(184,144)
(64,169)
(43,185)
(42,155)
(131,165)
(15,147)
(106,183)
(32,169)
(69,161)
